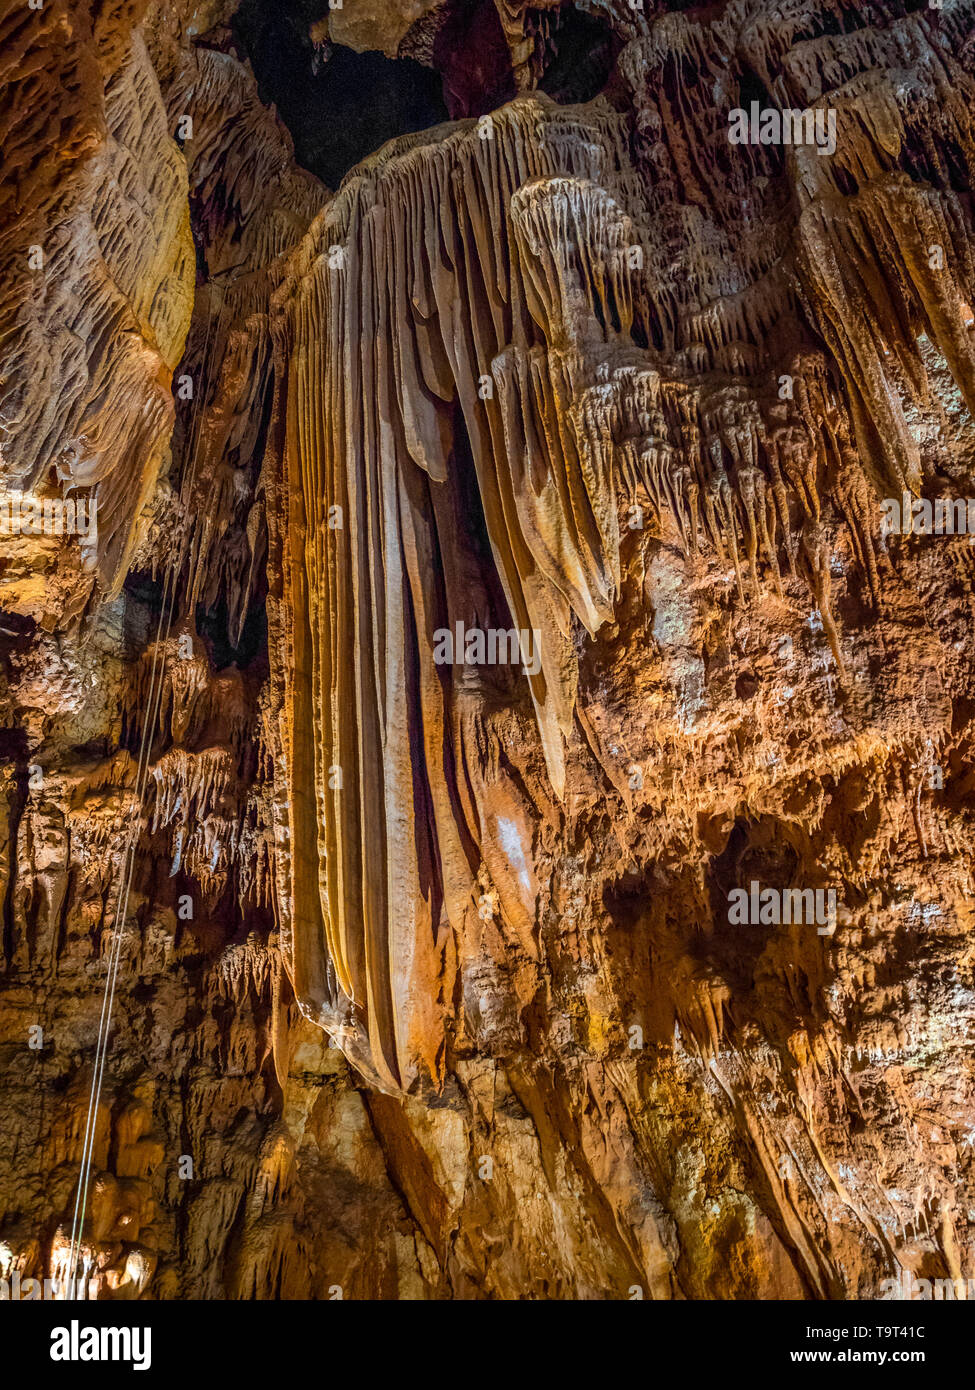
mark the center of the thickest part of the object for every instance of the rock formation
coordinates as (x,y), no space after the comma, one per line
(500,573)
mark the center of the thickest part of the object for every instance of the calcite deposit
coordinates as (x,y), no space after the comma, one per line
(493,631)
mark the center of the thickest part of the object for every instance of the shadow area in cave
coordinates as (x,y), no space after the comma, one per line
(339,105)
(583,53)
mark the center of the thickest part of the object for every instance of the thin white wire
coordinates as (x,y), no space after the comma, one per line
(128,864)
(108,998)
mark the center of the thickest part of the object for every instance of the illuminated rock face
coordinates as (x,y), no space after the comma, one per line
(98,275)
(550,748)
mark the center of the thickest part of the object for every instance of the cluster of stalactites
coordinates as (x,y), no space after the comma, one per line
(174,690)
(718,227)
(489,323)
(199,759)
(244,965)
(217,829)
(872,240)
(254,202)
(883,252)
(739,472)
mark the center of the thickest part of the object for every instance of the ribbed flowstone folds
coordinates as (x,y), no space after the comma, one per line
(432,334)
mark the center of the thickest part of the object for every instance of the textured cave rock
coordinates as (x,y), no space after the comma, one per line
(459,1011)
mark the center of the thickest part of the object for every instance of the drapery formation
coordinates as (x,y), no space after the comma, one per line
(486,346)
(433,332)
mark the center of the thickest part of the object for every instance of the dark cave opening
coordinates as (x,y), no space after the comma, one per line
(213,626)
(144,589)
(583,52)
(758,852)
(339,106)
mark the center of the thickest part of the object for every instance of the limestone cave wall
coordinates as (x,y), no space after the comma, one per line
(422,976)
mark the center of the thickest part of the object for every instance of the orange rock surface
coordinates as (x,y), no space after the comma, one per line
(427,981)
